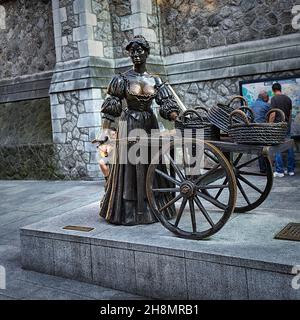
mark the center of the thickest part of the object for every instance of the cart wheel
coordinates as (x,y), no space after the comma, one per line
(197,214)
(253,186)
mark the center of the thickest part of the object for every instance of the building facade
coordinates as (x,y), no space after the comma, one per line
(57,57)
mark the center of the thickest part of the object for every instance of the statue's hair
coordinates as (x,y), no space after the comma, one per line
(140,40)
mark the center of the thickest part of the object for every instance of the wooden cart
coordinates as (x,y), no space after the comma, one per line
(229,181)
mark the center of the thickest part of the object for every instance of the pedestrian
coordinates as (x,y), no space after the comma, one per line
(260,107)
(284,103)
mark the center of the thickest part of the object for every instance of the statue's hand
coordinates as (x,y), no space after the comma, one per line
(102,139)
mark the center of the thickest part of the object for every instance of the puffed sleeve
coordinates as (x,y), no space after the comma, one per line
(112,105)
(165,100)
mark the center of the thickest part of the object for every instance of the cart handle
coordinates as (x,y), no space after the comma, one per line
(276,110)
(190,111)
(201,108)
(242,115)
(248,112)
(238,98)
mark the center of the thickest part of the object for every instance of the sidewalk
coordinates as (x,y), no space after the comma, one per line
(25,202)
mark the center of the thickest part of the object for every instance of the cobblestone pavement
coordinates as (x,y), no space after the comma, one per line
(26,202)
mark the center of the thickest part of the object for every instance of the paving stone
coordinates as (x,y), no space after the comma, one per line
(67,285)
(11,217)
(24,284)
(54,294)
(19,289)
(4,297)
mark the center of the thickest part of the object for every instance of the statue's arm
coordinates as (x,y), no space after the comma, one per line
(168,107)
(112,105)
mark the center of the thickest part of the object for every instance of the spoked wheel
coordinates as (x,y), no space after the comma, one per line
(253,186)
(196,214)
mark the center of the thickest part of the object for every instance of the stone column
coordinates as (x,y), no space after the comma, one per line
(85,63)
(82,39)
(143,21)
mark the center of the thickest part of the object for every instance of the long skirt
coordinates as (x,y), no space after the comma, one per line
(125,201)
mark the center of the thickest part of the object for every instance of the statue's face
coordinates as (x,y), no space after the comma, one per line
(138,54)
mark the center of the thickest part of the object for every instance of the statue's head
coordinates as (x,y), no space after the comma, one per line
(138,49)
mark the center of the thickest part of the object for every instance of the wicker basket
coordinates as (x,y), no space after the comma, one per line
(219,114)
(192,120)
(258,133)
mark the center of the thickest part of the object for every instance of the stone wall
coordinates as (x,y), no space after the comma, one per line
(83,29)
(69,21)
(26,38)
(75,28)
(103,29)
(75,123)
(31,147)
(28,162)
(197,45)
(26,148)
(134,17)
(89,35)
(25,122)
(119,9)
(208,93)
(193,25)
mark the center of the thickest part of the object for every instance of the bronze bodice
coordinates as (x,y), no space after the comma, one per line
(140,91)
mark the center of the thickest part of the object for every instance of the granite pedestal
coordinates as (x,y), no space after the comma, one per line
(242,261)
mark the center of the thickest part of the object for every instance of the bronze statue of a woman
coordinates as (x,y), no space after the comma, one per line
(125,200)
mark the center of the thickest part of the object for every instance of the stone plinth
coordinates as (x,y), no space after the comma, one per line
(242,261)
